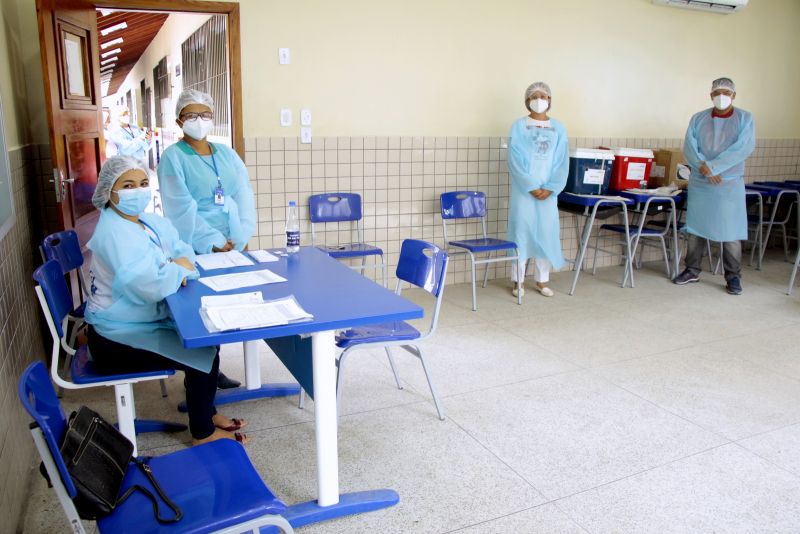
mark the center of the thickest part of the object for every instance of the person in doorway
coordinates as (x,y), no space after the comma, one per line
(718,141)
(129,139)
(538,162)
(137,261)
(205,188)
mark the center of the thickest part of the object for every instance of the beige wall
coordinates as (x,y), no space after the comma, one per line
(460,67)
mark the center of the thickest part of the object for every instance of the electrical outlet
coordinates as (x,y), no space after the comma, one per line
(286,117)
(305,135)
(305,117)
(284,56)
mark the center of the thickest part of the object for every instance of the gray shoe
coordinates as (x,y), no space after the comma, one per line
(686,277)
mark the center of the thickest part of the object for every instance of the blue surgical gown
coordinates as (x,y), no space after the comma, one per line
(187,183)
(131,276)
(538,158)
(129,141)
(718,212)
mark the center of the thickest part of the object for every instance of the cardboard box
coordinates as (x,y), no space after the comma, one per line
(665,167)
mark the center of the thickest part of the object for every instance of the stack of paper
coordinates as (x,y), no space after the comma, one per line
(240,312)
(262,256)
(222,260)
(227,282)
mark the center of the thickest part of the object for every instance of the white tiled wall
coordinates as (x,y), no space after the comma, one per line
(400,180)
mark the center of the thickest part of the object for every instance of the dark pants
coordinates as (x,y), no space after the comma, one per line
(115,358)
(731,256)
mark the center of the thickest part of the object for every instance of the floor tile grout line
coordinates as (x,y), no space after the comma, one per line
(769,461)
(459,529)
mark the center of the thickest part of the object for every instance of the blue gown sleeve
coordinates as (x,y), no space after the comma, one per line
(181,208)
(739,151)
(246,202)
(560,169)
(139,274)
(521,178)
(691,150)
(173,242)
(127,146)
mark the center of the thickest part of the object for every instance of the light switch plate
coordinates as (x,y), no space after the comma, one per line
(305,135)
(305,117)
(284,56)
(286,117)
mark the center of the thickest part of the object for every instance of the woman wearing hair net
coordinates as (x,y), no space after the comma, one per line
(205,188)
(137,261)
(538,162)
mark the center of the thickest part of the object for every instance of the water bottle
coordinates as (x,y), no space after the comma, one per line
(292,229)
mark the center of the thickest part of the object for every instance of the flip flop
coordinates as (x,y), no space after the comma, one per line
(238,424)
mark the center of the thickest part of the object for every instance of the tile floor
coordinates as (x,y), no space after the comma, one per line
(654,409)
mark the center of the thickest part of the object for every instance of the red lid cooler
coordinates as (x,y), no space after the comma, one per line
(631,166)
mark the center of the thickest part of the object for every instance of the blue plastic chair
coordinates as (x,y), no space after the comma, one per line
(344,207)
(56,302)
(423,265)
(214,484)
(472,205)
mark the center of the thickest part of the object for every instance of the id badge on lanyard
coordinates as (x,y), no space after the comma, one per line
(219,194)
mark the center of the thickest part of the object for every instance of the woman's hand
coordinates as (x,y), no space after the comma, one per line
(185,263)
(541,194)
(228,247)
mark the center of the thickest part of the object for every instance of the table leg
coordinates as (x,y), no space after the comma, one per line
(252,369)
(323,357)
(584,241)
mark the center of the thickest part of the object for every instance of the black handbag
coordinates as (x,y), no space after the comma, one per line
(97,456)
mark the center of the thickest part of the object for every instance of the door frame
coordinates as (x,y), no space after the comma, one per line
(231,9)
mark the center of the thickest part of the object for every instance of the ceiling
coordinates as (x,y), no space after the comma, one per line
(142,28)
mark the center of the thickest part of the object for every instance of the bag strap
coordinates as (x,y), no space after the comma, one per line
(149,474)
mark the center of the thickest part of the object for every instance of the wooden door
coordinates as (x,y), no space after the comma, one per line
(71,72)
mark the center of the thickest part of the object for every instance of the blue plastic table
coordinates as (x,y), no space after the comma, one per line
(338,297)
(590,206)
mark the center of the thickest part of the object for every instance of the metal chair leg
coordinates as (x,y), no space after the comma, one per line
(596,245)
(418,353)
(486,272)
(794,272)
(666,256)
(474,294)
(163,384)
(301,401)
(394,367)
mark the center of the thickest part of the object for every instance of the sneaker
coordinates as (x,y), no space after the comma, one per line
(223,382)
(545,291)
(521,291)
(686,277)
(734,286)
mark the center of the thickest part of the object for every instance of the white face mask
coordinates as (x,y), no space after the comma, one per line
(539,105)
(198,128)
(722,102)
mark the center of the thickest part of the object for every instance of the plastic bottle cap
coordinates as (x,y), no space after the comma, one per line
(292,203)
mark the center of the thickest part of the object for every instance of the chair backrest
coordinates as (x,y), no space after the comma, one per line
(463,205)
(64,248)
(334,207)
(59,301)
(422,264)
(39,399)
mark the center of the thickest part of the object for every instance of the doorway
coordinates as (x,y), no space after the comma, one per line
(75,70)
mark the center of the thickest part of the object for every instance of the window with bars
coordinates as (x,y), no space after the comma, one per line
(161,91)
(205,67)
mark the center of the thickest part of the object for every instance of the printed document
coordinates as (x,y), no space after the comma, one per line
(219,318)
(227,282)
(262,256)
(222,260)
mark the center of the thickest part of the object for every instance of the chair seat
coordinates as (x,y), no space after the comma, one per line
(620,229)
(80,311)
(350,250)
(84,370)
(215,485)
(484,244)
(377,333)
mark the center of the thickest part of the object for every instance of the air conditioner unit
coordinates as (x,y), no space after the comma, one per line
(716,6)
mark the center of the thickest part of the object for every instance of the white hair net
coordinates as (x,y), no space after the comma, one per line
(113,168)
(538,86)
(192,96)
(723,83)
